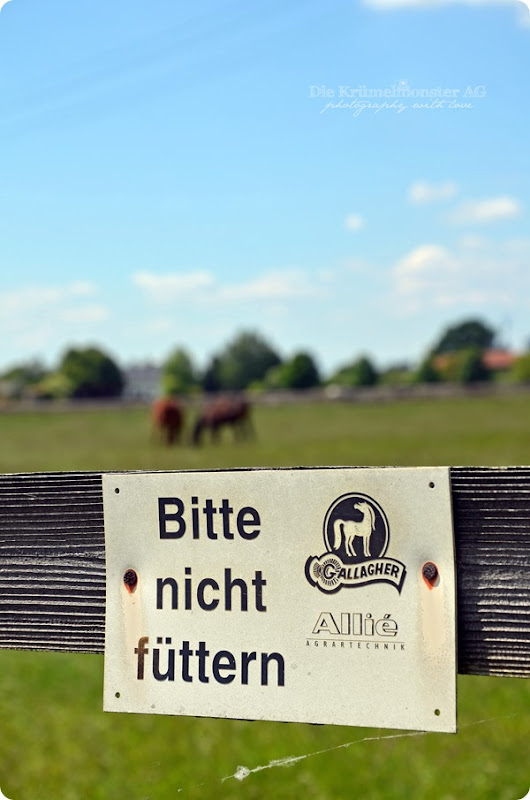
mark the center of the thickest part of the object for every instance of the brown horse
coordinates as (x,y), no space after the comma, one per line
(224,412)
(167,417)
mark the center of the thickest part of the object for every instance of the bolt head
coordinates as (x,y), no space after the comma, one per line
(130,578)
(430,571)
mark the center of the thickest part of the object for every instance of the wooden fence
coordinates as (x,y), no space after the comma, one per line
(52,565)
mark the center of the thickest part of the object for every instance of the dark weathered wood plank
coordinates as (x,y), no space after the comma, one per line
(52,562)
(52,565)
(491,510)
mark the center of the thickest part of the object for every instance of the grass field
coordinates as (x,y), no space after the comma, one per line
(56,743)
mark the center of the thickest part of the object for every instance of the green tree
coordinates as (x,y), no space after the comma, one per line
(245,359)
(396,375)
(300,372)
(54,386)
(466,366)
(520,370)
(20,380)
(359,373)
(468,334)
(211,381)
(91,373)
(427,372)
(178,374)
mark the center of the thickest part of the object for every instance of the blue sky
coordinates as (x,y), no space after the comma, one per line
(341,177)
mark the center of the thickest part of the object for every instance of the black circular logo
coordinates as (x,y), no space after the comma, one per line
(356,528)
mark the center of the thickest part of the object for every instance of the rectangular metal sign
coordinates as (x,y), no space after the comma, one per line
(323,595)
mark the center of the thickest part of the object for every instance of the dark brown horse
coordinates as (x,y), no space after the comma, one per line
(223,412)
(167,417)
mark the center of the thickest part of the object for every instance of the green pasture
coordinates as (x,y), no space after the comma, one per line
(56,743)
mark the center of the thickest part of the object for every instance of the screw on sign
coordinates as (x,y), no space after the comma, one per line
(130,580)
(430,573)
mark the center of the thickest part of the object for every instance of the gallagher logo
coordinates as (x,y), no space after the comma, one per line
(356,536)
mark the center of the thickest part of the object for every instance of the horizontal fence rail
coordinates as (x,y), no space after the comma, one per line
(52,565)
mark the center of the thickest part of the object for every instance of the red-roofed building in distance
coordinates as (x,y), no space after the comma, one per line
(498,360)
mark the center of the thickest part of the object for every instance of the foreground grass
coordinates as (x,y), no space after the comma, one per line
(56,743)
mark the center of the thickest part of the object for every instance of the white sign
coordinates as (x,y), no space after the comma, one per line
(321,595)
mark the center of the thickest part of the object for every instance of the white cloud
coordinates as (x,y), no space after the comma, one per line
(422,268)
(273,286)
(34,298)
(82,289)
(201,286)
(431,276)
(27,299)
(482,211)
(354,222)
(32,317)
(424,192)
(166,288)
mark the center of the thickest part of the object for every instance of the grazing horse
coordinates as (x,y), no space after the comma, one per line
(167,417)
(224,412)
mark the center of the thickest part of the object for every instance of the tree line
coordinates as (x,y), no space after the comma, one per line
(250,362)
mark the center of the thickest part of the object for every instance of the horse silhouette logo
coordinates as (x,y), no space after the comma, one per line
(351,521)
(356,536)
(348,529)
